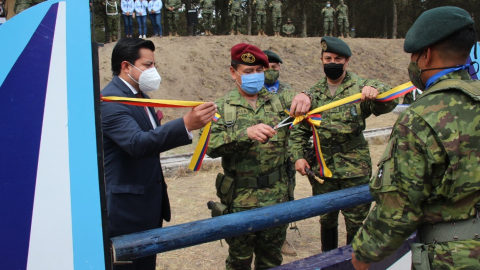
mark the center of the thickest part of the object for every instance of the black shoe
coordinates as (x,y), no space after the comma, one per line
(329,238)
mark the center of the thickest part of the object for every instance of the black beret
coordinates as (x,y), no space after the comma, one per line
(250,55)
(434,25)
(335,45)
(273,57)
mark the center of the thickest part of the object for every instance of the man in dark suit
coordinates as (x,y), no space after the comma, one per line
(133,139)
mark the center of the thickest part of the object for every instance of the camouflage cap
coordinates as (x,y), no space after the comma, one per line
(273,57)
(288,20)
(250,55)
(434,25)
(335,45)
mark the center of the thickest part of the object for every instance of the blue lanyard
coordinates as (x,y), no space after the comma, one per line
(273,88)
(439,74)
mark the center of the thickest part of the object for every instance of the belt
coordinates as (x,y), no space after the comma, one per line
(261,181)
(344,147)
(453,231)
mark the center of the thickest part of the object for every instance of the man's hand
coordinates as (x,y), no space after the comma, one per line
(358,264)
(369,93)
(300,166)
(300,105)
(199,116)
(260,132)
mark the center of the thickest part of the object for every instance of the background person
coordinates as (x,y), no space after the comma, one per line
(288,29)
(276,7)
(141,15)
(111,8)
(154,12)
(274,85)
(172,7)
(128,8)
(327,14)
(261,11)
(342,19)
(235,11)
(207,7)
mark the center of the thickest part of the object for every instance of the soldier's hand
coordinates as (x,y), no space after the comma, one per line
(199,116)
(260,132)
(300,166)
(300,105)
(369,93)
(358,264)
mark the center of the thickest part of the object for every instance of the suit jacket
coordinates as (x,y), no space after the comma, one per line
(137,198)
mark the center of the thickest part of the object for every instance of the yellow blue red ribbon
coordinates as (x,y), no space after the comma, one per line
(314,118)
(201,148)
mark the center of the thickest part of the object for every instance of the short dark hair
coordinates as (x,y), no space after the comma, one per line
(128,49)
(234,65)
(458,45)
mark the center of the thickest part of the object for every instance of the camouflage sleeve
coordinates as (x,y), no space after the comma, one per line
(400,187)
(224,143)
(378,108)
(178,4)
(300,135)
(287,95)
(408,98)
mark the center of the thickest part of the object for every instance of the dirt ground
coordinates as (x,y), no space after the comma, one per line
(196,68)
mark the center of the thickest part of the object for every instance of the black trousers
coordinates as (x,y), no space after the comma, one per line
(145,263)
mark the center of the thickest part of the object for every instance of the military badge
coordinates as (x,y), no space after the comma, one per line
(248,58)
(324,46)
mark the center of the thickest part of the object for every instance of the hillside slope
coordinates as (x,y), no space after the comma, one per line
(197,68)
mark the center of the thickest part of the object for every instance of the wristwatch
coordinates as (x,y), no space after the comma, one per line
(309,95)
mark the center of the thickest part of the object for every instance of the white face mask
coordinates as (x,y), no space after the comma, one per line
(149,79)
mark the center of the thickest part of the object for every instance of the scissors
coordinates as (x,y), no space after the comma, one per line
(284,123)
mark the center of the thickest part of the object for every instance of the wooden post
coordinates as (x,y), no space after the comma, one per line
(136,245)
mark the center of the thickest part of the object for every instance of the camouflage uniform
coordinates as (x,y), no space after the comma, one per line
(428,174)
(21,5)
(342,19)
(235,11)
(172,15)
(261,8)
(344,148)
(288,29)
(245,160)
(409,98)
(113,15)
(327,13)
(207,12)
(276,7)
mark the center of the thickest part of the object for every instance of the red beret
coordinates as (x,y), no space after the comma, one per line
(249,55)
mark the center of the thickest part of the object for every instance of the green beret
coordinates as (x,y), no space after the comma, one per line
(335,45)
(434,25)
(273,57)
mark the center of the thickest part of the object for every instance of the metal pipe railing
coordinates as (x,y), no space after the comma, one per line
(141,244)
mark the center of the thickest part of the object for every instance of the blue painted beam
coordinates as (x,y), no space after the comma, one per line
(341,258)
(136,245)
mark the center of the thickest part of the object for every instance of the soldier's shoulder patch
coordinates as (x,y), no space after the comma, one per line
(248,58)
(324,46)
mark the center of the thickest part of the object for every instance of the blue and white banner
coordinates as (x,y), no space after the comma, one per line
(50,214)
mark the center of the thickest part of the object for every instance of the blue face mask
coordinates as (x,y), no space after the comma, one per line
(252,83)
